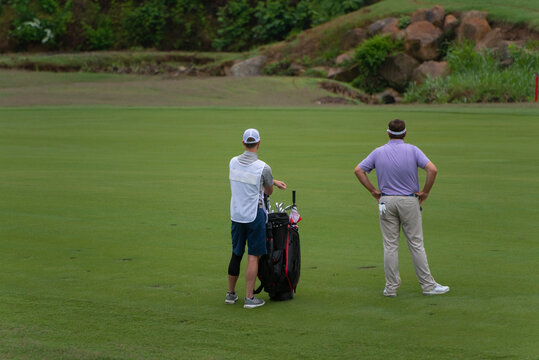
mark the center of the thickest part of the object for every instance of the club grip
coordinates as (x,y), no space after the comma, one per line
(293,197)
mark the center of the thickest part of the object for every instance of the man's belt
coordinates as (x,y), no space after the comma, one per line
(384,194)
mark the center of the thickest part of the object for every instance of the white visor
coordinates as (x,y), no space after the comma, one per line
(396,133)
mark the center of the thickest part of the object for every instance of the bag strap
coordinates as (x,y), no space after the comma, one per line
(259,289)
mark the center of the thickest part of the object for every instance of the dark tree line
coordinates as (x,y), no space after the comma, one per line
(233,25)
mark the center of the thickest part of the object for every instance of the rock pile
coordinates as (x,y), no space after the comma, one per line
(422,39)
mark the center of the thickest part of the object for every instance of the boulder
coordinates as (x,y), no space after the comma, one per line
(421,40)
(332,72)
(388,96)
(492,40)
(399,35)
(450,23)
(379,25)
(343,58)
(391,28)
(473,29)
(249,67)
(435,16)
(429,69)
(474,14)
(353,38)
(346,75)
(398,69)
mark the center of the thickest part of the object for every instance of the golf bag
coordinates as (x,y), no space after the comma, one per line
(279,269)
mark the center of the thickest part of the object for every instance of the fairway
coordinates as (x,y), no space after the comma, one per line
(115,235)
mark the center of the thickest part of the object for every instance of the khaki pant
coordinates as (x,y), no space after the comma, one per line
(405,211)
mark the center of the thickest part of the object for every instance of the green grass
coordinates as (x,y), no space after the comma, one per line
(115,235)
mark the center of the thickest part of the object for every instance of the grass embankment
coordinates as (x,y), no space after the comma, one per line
(137,62)
(115,235)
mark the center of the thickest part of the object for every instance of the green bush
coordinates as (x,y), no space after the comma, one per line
(235,19)
(370,55)
(404,21)
(316,73)
(274,21)
(30,32)
(281,68)
(59,21)
(480,77)
(145,24)
(190,25)
(100,38)
(49,6)
(41,26)
(22,10)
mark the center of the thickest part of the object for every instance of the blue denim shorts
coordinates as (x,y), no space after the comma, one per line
(253,233)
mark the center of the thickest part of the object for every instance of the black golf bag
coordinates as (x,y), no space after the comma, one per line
(279,269)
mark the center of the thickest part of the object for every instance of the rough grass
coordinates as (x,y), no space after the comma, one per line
(480,77)
(115,235)
(22,88)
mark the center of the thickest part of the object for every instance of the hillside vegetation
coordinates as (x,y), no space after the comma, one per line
(449,52)
(45,25)
(389,51)
(324,41)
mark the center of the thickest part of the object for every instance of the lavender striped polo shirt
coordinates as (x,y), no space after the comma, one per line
(396,166)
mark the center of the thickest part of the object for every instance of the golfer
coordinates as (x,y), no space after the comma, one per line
(399,201)
(250,178)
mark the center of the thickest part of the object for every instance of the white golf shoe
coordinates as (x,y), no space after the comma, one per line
(437,290)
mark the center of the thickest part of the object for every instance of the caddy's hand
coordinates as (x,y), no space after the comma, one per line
(281,185)
(422,196)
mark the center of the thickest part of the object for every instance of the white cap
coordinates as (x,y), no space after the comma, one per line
(251,134)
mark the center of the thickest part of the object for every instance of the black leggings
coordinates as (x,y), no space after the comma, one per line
(234,265)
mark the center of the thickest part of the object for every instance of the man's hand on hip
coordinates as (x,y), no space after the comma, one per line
(377,194)
(422,196)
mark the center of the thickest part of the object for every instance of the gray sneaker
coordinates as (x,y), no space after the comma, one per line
(231,298)
(252,303)
(389,294)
